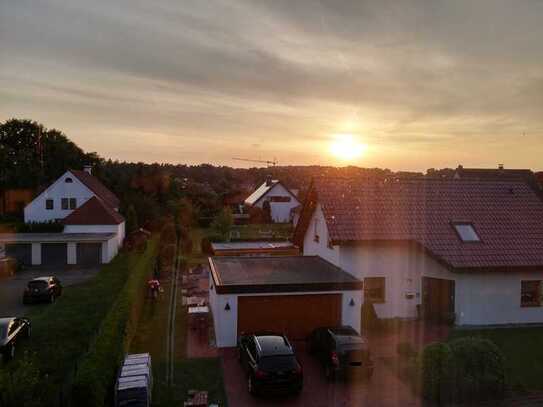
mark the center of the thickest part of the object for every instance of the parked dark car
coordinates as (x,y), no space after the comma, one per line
(42,289)
(342,352)
(270,363)
(11,331)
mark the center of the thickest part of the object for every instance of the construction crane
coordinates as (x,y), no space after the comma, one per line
(268,162)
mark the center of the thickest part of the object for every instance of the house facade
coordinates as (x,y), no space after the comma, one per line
(66,194)
(433,248)
(281,200)
(93,230)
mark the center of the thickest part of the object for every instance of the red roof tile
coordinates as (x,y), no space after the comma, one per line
(507,216)
(94,212)
(97,187)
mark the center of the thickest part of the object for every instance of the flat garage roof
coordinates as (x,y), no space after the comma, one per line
(262,245)
(54,237)
(279,274)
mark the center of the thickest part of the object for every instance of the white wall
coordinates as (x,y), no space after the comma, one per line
(35,211)
(320,248)
(480,298)
(226,322)
(486,298)
(119,230)
(280,211)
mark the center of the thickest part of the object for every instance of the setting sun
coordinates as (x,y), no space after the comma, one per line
(346,147)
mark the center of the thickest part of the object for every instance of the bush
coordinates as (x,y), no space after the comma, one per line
(479,368)
(464,370)
(437,365)
(98,368)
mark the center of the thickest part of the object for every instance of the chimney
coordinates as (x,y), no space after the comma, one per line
(269,181)
(88,169)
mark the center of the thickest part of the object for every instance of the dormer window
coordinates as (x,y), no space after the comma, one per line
(466,232)
(68,180)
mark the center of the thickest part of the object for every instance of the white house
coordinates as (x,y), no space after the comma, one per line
(279,197)
(93,231)
(433,248)
(289,294)
(66,194)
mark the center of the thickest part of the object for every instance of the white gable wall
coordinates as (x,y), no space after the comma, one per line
(486,298)
(35,211)
(320,248)
(280,211)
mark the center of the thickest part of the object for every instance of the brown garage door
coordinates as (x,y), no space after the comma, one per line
(294,315)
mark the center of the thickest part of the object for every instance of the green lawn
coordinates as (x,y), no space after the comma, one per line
(62,332)
(523,351)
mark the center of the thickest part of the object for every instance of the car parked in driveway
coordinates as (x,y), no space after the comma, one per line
(42,289)
(11,331)
(342,352)
(270,364)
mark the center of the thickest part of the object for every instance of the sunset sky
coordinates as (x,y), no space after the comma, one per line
(410,84)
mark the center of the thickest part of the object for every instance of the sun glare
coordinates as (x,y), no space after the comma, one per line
(346,147)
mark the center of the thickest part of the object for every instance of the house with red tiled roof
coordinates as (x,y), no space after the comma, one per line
(467,250)
(93,232)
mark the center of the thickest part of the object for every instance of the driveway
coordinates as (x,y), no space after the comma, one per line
(384,388)
(11,289)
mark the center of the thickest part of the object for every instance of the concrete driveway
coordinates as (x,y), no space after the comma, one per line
(11,289)
(383,389)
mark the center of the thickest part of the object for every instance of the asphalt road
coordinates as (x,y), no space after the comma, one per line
(11,289)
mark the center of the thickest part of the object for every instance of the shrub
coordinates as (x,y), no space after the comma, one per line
(97,369)
(479,369)
(437,374)
(465,370)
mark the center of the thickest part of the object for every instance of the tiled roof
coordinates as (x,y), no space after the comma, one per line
(94,212)
(260,192)
(507,216)
(97,187)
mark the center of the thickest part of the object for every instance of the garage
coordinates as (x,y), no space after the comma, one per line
(288,313)
(54,254)
(20,251)
(89,254)
(283,294)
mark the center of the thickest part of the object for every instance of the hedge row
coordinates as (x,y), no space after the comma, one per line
(463,370)
(97,370)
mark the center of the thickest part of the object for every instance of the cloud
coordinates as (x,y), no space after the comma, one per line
(211,76)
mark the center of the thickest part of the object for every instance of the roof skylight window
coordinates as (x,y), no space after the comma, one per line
(466,232)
